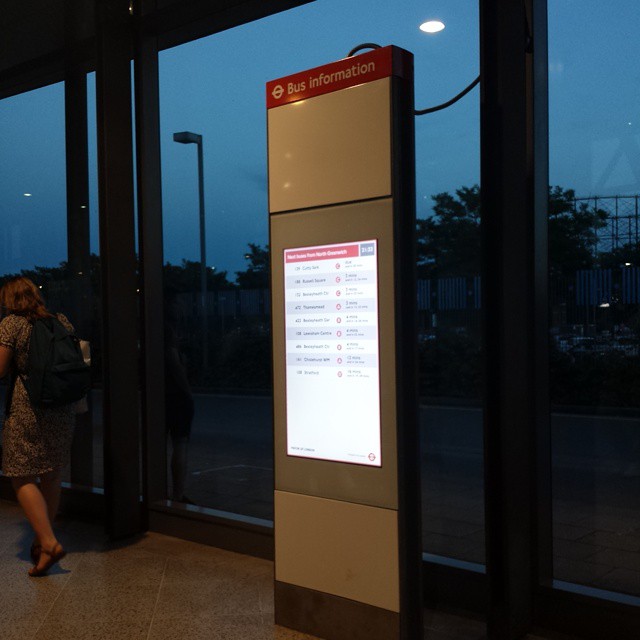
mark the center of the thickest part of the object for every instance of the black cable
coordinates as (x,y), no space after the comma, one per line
(361,47)
(420,112)
(453,100)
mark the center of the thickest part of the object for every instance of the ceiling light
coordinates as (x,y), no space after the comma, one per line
(432,26)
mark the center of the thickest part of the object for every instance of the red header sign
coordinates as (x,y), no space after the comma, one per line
(348,72)
(323,253)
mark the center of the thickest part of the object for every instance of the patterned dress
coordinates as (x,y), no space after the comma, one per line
(34,440)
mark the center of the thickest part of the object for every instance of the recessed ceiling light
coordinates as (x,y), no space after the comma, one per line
(27,195)
(432,26)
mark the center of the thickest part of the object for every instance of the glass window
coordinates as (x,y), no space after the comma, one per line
(38,239)
(33,183)
(218,345)
(594,257)
(449,286)
(33,231)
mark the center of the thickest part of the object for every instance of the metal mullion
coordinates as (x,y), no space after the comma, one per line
(510,242)
(118,265)
(539,136)
(78,246)
(151,260)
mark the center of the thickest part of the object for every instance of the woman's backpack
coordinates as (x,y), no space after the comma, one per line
(57,374)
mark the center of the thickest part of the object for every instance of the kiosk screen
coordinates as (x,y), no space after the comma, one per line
(332,347)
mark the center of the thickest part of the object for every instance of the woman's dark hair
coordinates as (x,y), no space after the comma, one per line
(21,297)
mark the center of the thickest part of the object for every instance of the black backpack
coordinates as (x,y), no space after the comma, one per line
(56,371)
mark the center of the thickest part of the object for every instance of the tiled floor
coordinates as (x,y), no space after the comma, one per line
(152,588)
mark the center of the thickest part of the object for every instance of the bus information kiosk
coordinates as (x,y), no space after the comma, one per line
(342,224)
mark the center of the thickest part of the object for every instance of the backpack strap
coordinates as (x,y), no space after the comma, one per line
(50,324)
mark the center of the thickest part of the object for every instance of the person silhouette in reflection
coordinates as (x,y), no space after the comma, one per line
(178,401)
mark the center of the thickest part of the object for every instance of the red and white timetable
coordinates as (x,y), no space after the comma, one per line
(332,346)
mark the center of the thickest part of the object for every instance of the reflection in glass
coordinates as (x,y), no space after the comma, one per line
(178,398)
(34,231)
(450,375)
(215,86)
(594,297)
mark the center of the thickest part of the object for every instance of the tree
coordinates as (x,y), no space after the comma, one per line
(627,255)
(449,242)
(41,275)
(572,233)
(186,277)
(256,275)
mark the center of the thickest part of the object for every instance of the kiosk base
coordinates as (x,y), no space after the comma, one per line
(328,616)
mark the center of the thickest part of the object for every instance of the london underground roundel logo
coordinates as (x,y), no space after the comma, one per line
(277,92)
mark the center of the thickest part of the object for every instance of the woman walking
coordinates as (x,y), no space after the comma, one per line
(36,440)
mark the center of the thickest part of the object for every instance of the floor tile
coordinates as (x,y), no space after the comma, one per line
(125,566)
(265,586)
(156,587)
(76,628)
(247,627)
(207,600)
(18,627)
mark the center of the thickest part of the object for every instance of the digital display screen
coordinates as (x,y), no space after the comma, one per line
(332,352)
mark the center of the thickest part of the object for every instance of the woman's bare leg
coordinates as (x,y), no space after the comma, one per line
(50,484)
(35,507)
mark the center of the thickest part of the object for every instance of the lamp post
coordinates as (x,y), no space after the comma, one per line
(186,137)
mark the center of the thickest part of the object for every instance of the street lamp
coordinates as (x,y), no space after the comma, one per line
(186,137)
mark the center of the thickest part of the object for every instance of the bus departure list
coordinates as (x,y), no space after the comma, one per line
(332,372)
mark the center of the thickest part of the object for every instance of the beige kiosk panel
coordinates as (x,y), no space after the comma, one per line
(332,148)
(376,486)
(345,549)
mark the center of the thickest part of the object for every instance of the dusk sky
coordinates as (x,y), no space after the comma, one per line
(215,87)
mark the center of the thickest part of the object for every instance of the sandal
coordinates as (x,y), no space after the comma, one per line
(55,555)
(34,552)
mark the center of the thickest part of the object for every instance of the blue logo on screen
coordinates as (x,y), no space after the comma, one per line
(368,249)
